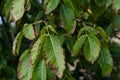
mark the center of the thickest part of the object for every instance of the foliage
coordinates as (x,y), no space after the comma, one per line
(51,36)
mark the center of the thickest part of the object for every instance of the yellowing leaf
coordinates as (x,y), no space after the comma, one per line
(36,49)
(51,5)
(17,9)
(17,43)
(92,48)
(28,5)
(68,18)
(51,29)
(105,61)
(28,31)
(54,54)
(78,45)
(24,69)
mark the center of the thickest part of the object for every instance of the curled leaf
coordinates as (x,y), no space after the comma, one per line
(17,43)
(18,9)
(28,31)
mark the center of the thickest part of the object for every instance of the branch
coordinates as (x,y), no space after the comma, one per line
(8,34)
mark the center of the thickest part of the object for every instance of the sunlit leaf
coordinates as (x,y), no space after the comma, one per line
(108,3)
(116,4)
(36,49)
(89,29)
(28,31)
(17,9)
(28,5)
(24,69)
(54,54)
(51,5)
(91,48)
(51,29)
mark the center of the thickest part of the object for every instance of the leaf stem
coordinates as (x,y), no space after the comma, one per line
(37,22)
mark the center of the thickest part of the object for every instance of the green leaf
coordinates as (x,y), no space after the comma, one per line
(39,72)
(70,41)
(68,18)
(51,29)
(114,48)
(109,30)
(17,10)
(116,22)
(69,3)
(85,15)
(108,3)
(54,54)
(91,48)
(38,25)
(78,45)
(7,8)
(89,29)
(61,37)
(17,43)
(105,61)
(116,4)
(24,69)
(78,7)
(28,5)
(1,47)
(36,49)
(96,10)
(28,31)
(52,4)
(103,34)
(50,74)
(46,2)
(100,2)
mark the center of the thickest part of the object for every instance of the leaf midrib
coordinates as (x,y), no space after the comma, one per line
(53,49)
